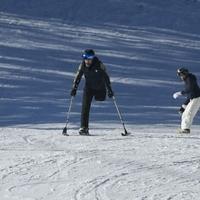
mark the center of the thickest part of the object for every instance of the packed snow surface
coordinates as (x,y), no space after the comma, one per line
(152,163)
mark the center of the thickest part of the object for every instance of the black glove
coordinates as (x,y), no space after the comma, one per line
(110,93)
(73,92)
(181,110)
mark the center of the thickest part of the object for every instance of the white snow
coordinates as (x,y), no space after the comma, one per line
(37,162)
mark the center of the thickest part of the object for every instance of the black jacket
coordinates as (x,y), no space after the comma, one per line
(96,77)
(192,89)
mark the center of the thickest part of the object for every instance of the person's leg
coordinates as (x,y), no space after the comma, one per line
(189,113)
(100,95)
(86,104)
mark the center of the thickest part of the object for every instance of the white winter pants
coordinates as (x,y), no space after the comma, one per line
(189,113)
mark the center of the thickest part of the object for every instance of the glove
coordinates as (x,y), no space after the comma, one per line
(182,109)
(176,95)
(110,93)
(73,92)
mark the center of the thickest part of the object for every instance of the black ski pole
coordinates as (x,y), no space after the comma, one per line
(68,114)
(120,117)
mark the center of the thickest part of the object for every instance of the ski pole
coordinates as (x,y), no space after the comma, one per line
(68,114)
(120,117)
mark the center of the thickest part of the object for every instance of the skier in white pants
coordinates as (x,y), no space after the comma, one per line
(190,108)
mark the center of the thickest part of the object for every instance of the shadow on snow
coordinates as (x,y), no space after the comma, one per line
(39,58)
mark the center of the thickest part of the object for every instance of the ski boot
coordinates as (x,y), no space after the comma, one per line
(84,131)
(184,131)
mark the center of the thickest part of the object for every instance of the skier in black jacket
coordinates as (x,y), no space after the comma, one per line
(192,103)
(96,83)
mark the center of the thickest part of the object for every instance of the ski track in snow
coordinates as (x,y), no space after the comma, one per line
(152,163)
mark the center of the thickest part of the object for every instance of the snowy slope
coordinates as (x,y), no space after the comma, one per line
(180,15)
(38,59)
(152,164)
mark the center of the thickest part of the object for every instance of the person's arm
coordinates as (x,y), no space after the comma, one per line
(107,80)
(77,80)
(190,85)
